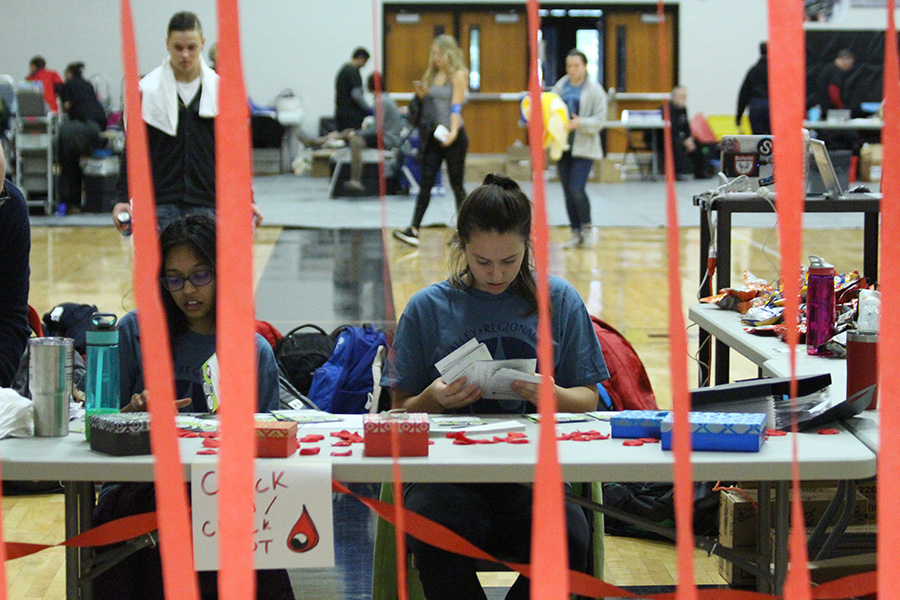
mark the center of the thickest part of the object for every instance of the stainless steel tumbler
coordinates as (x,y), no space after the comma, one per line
(50,384)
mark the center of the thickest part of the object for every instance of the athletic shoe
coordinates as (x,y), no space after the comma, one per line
(354,188)
(408,236)
(574,241)
(588,237)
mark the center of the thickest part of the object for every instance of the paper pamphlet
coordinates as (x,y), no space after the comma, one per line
(565,417)
(211,382)
(474,361)
(441,133)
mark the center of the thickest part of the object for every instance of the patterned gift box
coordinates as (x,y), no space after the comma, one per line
(121,434)
(412,427)
(275,439)
(728,432)
(637,423)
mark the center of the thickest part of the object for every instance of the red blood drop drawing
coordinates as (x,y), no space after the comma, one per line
(303,536)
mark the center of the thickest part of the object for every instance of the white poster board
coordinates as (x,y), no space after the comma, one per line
(293,522)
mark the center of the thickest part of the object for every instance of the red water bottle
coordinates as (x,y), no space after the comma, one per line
(819,305)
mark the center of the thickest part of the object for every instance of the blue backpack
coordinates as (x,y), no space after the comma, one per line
(345,383)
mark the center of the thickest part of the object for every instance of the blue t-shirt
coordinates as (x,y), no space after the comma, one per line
(571,95)
(440,318)
(189,351)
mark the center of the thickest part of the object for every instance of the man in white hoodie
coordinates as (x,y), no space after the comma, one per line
(178,104)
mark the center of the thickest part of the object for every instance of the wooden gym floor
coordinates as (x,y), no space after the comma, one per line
(622,280)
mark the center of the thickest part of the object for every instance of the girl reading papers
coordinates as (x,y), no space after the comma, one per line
(491,296)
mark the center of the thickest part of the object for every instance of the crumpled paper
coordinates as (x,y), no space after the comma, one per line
(16,414)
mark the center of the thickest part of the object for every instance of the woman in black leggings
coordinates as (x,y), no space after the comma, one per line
(439,99)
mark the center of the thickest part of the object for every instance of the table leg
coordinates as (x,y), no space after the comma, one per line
(763,541)
(782,529)
(79,504)
(704,351)
(723,280)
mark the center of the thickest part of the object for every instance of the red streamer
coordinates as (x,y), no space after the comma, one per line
(176,547)
(549,551)
(786,41)
(888,379)
(681,435)
(133,526)
(235,342)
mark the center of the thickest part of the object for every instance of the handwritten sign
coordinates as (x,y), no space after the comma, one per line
(293,519)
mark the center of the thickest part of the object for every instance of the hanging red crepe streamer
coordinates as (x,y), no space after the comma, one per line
(786,41)
(179,578)
(399,519)
(549,550)
(235,342)
(681,435)
(888,345)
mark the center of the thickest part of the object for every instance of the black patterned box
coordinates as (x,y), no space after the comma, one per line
(121,434)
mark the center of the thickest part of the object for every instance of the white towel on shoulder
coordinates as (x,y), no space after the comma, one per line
(159,96)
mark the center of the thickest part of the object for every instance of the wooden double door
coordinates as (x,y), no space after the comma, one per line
(495,47)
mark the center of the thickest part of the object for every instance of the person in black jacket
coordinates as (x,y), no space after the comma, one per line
(178,104)
(350,107)
(755,95)
(79,135)
(15,248)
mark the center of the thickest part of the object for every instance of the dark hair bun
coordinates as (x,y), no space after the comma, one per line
(501,179)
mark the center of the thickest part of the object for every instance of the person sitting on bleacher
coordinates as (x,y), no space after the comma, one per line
(79,135)
(367,137)
(49,79)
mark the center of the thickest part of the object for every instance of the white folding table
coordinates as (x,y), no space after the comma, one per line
(70,459)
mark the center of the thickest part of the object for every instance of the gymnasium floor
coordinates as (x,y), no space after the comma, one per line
(322,261)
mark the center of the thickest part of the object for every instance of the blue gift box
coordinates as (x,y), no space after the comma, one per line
(728,432)
(637,423)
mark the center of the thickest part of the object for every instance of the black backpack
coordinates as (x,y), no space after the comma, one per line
(303,350)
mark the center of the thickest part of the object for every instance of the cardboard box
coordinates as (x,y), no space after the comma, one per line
(321,162)
(738,516)
(724,432)
(479,167)
(412,427)
(870,156)
(609,170)
(637,423)
(120,434)
(518,163)
(735,576)
(275,439)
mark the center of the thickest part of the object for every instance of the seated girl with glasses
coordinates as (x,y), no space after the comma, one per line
(188,279)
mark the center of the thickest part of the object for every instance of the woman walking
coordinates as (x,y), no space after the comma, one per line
(437,112)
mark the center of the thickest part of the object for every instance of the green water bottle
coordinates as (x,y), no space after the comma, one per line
(102,371)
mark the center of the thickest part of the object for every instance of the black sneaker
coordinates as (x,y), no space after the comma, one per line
(408,236)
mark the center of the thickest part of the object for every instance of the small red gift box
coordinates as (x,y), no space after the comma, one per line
(276,439)
(411,427)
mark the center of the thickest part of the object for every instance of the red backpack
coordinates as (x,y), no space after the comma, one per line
(628,385)
(268,331)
